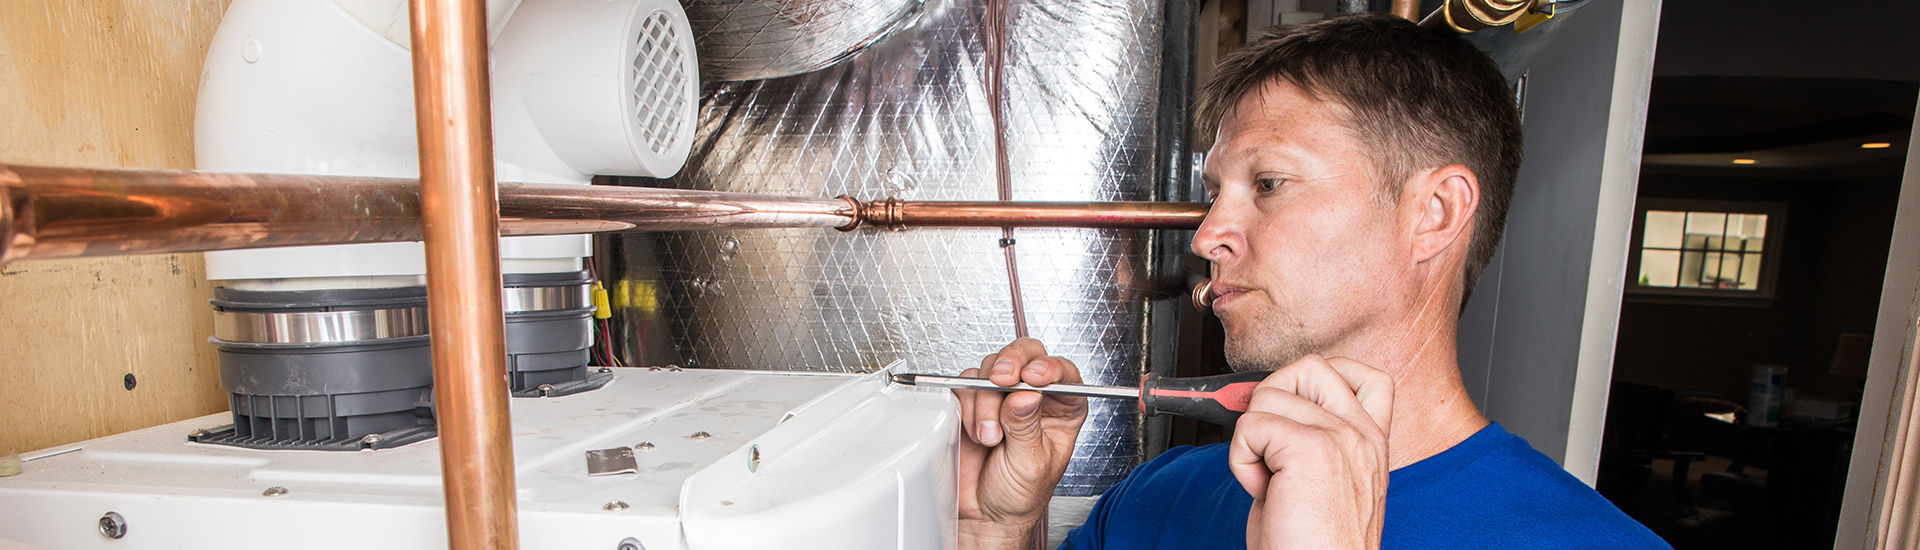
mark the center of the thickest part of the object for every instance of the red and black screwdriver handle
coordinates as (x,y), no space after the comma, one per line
(1213,399)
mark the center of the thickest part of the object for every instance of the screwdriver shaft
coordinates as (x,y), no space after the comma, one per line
(1083,390)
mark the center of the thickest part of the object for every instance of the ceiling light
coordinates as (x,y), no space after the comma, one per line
(1744,161)
(1875,145)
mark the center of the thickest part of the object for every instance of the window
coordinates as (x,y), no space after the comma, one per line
(1706,248)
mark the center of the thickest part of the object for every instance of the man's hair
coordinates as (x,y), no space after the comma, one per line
(1417,98)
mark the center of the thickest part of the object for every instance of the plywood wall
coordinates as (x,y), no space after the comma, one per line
(102,83)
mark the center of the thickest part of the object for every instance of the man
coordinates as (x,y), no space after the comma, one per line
(1360,176)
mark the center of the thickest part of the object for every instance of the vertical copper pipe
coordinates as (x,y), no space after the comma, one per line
(460,215)
(1407,9)
(995,65)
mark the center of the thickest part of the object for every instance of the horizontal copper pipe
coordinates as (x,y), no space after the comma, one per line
(898,214)
(63,212)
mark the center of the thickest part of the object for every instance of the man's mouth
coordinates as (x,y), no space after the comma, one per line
(1220,293)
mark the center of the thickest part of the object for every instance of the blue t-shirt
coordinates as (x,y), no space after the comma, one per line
(1490,491)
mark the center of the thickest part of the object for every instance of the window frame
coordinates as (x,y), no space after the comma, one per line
(1770,253)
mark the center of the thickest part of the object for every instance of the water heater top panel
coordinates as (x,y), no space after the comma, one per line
(777,444)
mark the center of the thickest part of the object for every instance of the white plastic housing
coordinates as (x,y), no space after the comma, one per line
(312,87)
(602,87)
(845,462)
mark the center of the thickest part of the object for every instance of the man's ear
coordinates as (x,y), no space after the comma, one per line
(1447,198)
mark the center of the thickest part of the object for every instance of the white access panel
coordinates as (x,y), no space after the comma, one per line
(738,459)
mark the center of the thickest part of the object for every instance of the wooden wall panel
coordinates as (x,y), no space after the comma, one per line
(102,83)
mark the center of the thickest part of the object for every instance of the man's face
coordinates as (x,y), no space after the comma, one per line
(1307,251)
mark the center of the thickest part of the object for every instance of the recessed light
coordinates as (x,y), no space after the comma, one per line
(1875,145)
(1745,161)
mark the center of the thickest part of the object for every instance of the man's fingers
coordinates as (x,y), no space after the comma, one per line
(1372,387)
(1055,370)
(1254,438)
(1020,416)
(1005,368)
(980,412)
(1314,379)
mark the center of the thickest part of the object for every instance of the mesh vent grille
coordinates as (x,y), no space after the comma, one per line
(659,81)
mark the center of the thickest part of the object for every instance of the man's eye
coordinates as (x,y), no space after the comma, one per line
(1267,184)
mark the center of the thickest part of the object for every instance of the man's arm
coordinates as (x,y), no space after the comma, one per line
(1015,448)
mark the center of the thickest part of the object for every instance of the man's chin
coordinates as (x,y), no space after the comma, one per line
(1244,360)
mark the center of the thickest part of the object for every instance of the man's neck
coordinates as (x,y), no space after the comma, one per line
(1431,409)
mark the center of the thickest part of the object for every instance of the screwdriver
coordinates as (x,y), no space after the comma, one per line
(1213,399)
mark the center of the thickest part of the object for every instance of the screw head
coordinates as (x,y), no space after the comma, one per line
(643,446)
(699,435)
(113,526)
(632,544)
(129,381)
(753,458)
(614,506)
(274,491)
(369,440)
(546,389)
(604,370)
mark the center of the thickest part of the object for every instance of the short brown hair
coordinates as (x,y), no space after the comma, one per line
(1419,98)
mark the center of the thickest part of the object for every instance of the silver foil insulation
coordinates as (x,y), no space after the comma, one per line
(757,39)
(1087,121)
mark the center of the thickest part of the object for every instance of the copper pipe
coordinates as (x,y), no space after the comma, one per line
(995,65)
(1203,295)
(1466,16)
(460,219)
(63,212)
(1407,9)
(897,214)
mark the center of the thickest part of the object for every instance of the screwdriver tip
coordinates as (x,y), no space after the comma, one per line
(903,379)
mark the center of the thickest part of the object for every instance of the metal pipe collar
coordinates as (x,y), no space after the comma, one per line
(319,327)
(545,298)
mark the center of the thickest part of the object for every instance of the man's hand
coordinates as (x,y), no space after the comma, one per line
(1312,450)
(1016,445)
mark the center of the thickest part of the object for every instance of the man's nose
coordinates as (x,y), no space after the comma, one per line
(1218,236)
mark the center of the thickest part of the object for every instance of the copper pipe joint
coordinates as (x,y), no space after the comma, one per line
(1203,295)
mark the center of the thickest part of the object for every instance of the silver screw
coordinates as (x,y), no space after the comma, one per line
(274,491)
(370,440)
(614,506)
(604,370)
(113,526)
(198,433)
(643,446)
(699,435)
(632,544)
(546,389)
(753,458)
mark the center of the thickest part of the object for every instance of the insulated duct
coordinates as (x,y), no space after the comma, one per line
(759,39)
(1087,99)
